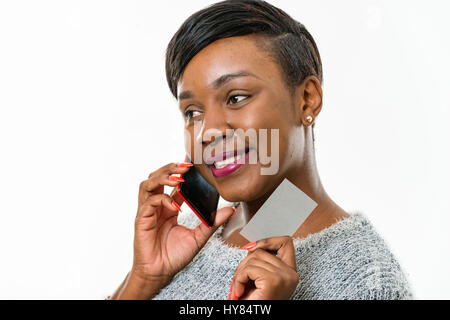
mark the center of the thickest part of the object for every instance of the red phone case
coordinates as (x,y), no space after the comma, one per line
(187,202)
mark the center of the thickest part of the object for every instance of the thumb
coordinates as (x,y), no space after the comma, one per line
(203,232)
(222,215)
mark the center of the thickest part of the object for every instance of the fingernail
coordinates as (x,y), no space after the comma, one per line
(234,211)
(175,178)
(185,164)
(249,246)
(176,206)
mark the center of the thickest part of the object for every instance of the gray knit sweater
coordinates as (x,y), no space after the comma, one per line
(348,260)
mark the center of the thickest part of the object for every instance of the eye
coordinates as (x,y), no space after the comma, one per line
(189,114)
(234,98)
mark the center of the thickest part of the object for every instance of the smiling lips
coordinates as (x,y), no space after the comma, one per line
(226,163)
(225,157)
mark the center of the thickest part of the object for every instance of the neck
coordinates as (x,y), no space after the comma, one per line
(304,175)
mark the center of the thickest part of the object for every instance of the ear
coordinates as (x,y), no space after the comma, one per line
(309,96)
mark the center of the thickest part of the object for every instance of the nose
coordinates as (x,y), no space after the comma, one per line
(214,128)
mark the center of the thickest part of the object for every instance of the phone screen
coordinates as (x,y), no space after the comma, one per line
(200,196)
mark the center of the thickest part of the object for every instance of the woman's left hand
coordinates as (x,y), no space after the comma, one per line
(265,276)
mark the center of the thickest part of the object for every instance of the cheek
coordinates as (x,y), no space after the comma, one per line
(188,142)
(259,116)
(268,121)
(277,137)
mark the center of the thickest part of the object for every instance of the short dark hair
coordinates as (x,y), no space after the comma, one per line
(286,40)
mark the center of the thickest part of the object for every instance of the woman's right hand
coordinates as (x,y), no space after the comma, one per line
(162,247)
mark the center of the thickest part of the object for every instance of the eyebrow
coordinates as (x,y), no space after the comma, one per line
(216,84)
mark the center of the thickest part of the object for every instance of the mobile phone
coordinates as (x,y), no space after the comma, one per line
(199,195)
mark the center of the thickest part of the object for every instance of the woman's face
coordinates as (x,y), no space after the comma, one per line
(257,101)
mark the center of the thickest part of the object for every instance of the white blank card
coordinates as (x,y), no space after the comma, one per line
(281,214)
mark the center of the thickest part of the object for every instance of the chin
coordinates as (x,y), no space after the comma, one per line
(233,197)
(245,185)
(245,192)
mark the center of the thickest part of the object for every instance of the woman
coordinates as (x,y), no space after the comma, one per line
(242,65)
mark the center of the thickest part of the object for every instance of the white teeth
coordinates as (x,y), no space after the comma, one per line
(224,163)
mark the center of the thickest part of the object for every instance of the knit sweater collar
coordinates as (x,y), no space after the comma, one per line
(355,219)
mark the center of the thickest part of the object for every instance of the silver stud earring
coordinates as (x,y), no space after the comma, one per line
(309,119)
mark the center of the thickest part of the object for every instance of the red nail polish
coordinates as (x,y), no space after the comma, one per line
(185,165)
(175,178)
(231,287)
(249,246)
(176,206)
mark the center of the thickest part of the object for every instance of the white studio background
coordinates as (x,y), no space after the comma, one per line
(86,115)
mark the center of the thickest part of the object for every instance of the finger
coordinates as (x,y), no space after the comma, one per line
(223,214)
(165,171)
(261,254)
(263,258)
(157,180)
(149,208)
(162,175)
(171,168)
(175,195)
(283,246)
(202,232)
(248,258)
(252,260)
(257,274)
